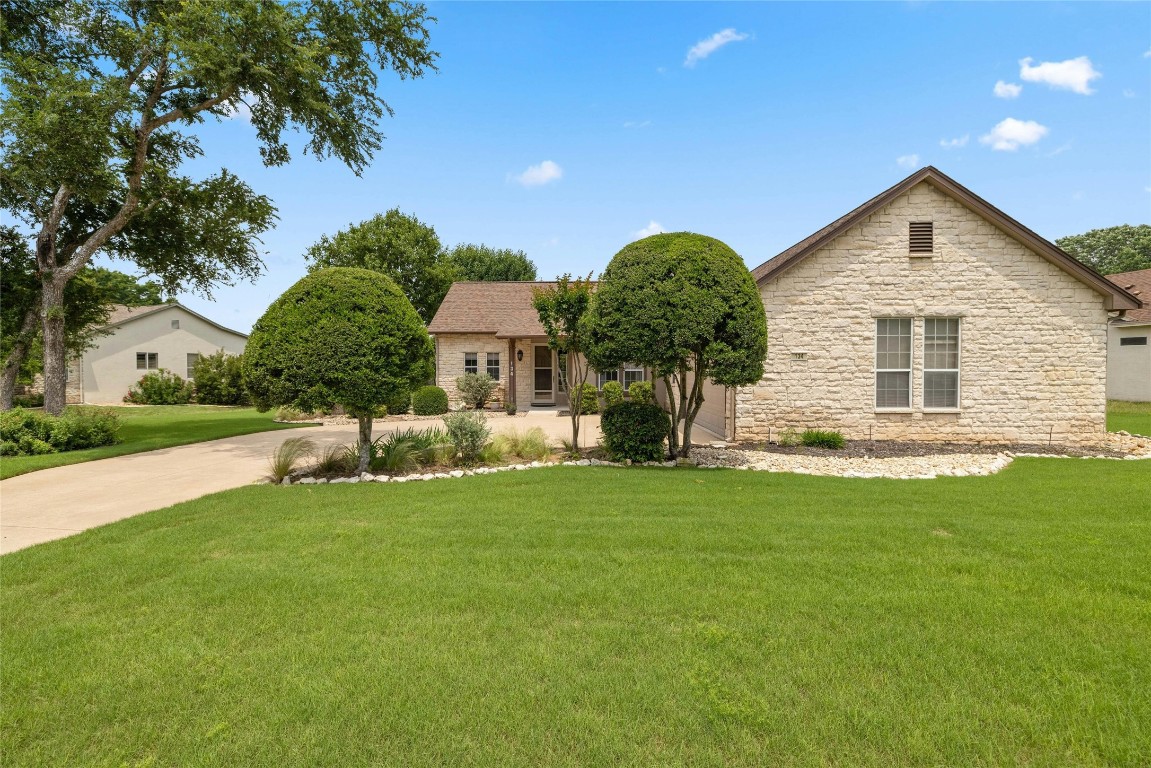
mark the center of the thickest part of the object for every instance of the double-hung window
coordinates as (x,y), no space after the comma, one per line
(893,362)
(494,365)
(941,362)
(631,374)
(471,362)
(606,376)
(146,360)
(193,358)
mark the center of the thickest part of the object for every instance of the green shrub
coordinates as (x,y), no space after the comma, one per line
(288,413)
(34,400)
(218,379)
(160,387)
(31,433)
(789,438)
(288,456)
(612,393)
(822,438)
(469,433)
(641,392)
(510,408)
(476,389)
(429,401)
(399,405)
(589,403)
(635,431)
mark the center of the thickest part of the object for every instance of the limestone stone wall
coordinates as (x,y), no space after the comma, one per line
(450,349)
(1033,339)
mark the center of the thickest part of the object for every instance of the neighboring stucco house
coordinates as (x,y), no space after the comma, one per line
(924,314)
(140,339)
(491,327)
(1129,342)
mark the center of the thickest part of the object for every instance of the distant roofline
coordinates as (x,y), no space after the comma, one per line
(159,308)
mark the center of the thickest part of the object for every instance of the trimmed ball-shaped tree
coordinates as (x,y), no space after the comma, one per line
(686,306)
(340,336)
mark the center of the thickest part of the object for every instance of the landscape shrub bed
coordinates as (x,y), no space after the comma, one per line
(822,438)
(30,433)
(161,387)
(635,431)
(218,380)
(429,401)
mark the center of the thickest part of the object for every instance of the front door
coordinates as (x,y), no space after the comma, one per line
(544,375)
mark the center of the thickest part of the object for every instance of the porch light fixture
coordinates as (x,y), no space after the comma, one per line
(520,355)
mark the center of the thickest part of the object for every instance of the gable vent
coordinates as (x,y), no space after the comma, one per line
(920,237)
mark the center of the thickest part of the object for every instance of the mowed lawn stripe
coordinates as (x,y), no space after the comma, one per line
(588,616)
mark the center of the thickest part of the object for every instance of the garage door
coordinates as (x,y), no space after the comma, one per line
(712,414)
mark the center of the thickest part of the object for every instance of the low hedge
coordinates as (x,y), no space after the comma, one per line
(429,401)
(31,433)
(635,431)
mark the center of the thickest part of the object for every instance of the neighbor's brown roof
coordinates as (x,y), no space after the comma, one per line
(504,309)
(1116,298)
(1139,284)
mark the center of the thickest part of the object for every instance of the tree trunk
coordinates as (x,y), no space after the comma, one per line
(673,412)
(55,353)
(365,444)
(17,356)
(691,408)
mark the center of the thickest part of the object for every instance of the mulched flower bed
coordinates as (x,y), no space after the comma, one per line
(890,449)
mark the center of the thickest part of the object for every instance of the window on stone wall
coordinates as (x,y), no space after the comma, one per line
(941,362)
(494,365)
(471,362)
(193,358)
(893,362)
(147,360)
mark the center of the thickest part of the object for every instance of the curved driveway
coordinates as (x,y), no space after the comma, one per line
(58,502)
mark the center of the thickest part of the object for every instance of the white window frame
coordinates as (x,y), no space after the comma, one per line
(151,361)
(489,365)
(910,370)
(474,366)
(602,377)
(632,368)
(956,370)
(193,358)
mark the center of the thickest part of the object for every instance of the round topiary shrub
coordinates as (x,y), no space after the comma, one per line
(339,336)
(612,393)
(635,431)
(641,392)
(589,402)
(429,401)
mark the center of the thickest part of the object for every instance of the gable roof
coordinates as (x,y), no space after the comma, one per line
(1137,283)
(1115,296)
(122,314)
(504,309)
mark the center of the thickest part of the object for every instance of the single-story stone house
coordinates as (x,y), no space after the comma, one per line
(139,339)
(491,327)
(1129,342)
(924,314)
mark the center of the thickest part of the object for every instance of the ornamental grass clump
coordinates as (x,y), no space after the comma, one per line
(469,433)
(288,457)
(532,445)
(336,460)
(823,438)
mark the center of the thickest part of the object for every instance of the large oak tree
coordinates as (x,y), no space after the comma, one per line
(103,98)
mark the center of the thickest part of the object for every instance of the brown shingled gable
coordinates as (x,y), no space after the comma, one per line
(1139,284)
(1115,298)
(504,309)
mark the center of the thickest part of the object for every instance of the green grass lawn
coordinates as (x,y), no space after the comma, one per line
(1129,417)
(146,428)
(598,617)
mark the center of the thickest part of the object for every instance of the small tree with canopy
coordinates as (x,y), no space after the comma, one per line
(563,309)
(686,306)
(340,336)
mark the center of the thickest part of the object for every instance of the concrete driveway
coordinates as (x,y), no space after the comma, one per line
(58,502)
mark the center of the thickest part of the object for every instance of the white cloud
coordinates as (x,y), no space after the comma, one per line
(1007,90)
(1148,54)
(707,47)
(1128,93)
(1011,134)
(955,143)
(637,124)
(653,228)
(240,109)
(538,175)
(1071,75)
(907,161)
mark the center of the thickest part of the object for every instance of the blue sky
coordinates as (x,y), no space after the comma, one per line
(786,117)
